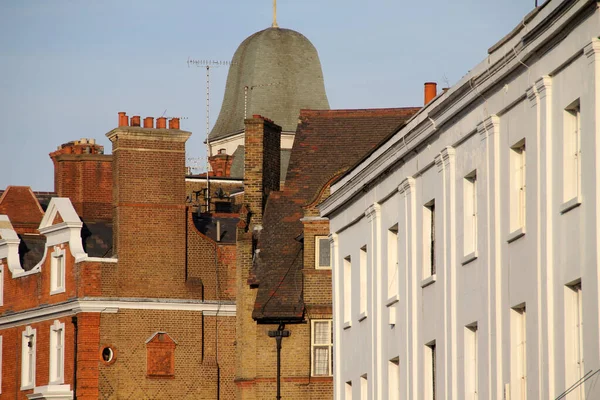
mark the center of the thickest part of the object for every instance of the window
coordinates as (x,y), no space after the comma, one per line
(519,352)
(347,291)
(322,253)
(348,387)
(1,284)
(364,387)
(430,370)
(393,379)
(57,271)
(322,347)
(574,338)
(57,353)
(429,238)
(28,344)
(518,201)
(471,362)
(470,214)
(1,364)
(572,151)
(392,261)
(364,293)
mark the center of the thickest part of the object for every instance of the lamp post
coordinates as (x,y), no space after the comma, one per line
(278,335)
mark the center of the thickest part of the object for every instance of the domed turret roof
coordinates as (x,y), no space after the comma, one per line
(281,67)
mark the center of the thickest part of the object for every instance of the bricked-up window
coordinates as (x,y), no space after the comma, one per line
(160,356)
(28,346)
(322,347)
(429,238)
(518,199)
(57,353)
(322,252)
(572,151)
(519,352)
(57,271)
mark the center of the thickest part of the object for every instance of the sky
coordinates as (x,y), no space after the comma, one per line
(67,67)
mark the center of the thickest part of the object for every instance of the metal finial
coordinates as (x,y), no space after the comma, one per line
(275,14)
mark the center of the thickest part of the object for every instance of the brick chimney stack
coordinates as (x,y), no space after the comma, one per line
(83,173)
(261,162)
(220,164)
(149,220)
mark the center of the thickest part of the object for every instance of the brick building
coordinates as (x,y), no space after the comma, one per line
(283,268)
(111,286)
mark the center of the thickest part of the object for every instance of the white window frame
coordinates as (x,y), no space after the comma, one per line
(470,217)
(313,345)
(392,262)
(347,292)
(518,191)
(519,352)
(318,252)
(348,390)
(57,353)
(364,387)
(364,283)
(28,358)
(57,271)
(430,371)
(429,243)
(471,362)
(575,362)
(1,284)
(394,379)
(571,156)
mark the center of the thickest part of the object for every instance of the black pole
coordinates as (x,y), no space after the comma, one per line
(278,339)
(74,321)
(279,334)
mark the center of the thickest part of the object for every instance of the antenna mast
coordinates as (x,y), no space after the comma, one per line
(275,14)
(208,64)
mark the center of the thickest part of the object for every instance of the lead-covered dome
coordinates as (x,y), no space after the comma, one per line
(282,69)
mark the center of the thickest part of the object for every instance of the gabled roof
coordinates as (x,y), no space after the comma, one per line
(327,142)
(22,206)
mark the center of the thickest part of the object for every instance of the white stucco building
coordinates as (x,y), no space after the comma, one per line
(466,249)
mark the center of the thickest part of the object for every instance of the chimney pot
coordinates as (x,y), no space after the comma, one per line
(123,119)
(135,120)
(430,91)
(92,141)
(149,122)
(174,123)
(161,123)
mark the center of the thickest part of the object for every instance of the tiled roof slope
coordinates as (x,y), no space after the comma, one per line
(327,143)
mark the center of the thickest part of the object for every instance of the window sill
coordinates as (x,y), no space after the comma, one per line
(428,281)
(469,257)
(28,387)
(57,291)
(516,234)
(362,316)
(347,325)
(392,300)
(323,268)
(570,204)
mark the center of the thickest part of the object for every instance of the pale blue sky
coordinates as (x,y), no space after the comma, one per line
(67,67)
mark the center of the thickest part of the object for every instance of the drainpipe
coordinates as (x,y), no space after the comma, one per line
(74,321)
(279,334)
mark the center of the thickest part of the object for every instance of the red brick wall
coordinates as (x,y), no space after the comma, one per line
(86,179)
(206,258)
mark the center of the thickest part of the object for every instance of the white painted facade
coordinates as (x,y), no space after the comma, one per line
(507,163)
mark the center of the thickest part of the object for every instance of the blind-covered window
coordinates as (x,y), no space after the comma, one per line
(322,347)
